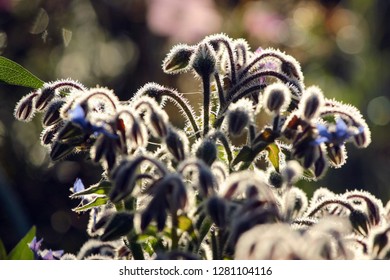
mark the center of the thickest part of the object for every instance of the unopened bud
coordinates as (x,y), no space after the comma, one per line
(159,124)
(207,151)
(204,62)
(52,114)
(178,60)
(217,210)
(277,97)
(124,177)
(311,102)
(292,172)
(176,144)
(44,97)
(120,224)
(48,134)
(291,67)
(24,110)
(60,150)
(238,120)
(359,221)
(275,179)
(336,155)
(320,166)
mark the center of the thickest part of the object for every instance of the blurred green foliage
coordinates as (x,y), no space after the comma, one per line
(344,47)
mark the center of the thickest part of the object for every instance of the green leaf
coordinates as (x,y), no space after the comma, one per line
(245,154)
(21,250)
(3,252)
(273,155)
(97,201)
(15,74)
(103,188)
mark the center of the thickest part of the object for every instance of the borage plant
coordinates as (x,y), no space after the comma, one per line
(224,185)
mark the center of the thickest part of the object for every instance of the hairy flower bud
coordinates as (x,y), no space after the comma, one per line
(277,97)
(311,103)
(52,114)
(207,151)
(177,143)
(217,209)
(24,110)
(360,222)
(124,177)
(119,224)
(275,179)
(204,62)
(60,150)
(178,60)
(44,97)
(292,172)
(49,133)
(240,114)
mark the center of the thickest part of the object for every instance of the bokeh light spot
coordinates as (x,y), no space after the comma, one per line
(378,110)
(60,221)
(350,39)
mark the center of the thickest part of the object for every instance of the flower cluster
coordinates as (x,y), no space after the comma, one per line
(224,185)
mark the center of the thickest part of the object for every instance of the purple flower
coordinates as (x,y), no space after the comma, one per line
(78,186)
(51,255)
(35,246)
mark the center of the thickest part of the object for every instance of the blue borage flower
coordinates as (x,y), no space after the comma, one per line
(336,134)
(77,116)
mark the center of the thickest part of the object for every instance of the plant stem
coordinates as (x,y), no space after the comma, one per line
(220,90)
(174,235)
(180,101)
(206,104)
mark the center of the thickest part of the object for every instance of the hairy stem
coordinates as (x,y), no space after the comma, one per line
(206,104)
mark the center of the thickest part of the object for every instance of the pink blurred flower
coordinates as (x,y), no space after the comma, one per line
(5,5)
(183,21)
(263,23)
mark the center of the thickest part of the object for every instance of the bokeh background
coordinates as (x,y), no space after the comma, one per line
(344,47)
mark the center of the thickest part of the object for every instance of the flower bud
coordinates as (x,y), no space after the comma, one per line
(24,110)
(363,138)
(178,60)
(52,115)
(217,210)
(277,97)
(275,179)
(68,132)
(360,222)
(380,242)
(105,149)
(204,62)
(120,224)
(49,133)
(60,150)
(177,144)
(237,122)
(291,67)
(292,172)
(337,155)
(159,124)
(320,166)
(44,97)
(206,180)
(207,151)
(311,102)
(124,177)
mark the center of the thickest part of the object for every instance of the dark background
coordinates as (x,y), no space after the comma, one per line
(343,47)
